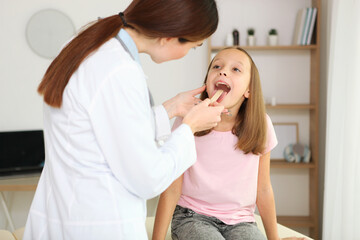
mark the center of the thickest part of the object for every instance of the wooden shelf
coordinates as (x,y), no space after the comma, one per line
(284,164)
(19,184)
(291,106)
(296,221)
(261,48)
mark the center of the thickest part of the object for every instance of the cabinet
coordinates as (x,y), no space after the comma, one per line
(291,74)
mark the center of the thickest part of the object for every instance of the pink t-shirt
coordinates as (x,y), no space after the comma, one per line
(223,181)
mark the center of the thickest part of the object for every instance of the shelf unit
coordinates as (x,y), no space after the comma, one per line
(310,222)
(292,106)
(274,48)
(283,164)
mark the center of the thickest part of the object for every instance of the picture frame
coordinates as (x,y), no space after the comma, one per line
(286,133)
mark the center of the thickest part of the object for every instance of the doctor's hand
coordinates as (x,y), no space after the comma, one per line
(181,104)
(202,116)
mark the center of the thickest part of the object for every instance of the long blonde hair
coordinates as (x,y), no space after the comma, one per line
(250,124)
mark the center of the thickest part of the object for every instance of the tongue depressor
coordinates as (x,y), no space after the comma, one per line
(216,96)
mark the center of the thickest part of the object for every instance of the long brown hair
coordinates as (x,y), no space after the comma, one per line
(250,124)
(187,20)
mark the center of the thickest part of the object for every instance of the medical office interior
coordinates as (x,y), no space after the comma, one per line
(310,91)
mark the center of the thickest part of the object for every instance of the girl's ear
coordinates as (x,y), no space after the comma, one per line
(247,93)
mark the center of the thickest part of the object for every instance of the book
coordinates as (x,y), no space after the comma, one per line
(306,26)
(299,25)
(312,24)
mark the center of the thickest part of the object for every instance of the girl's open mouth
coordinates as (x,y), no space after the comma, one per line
(221,85)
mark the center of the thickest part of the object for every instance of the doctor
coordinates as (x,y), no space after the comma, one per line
(102,160)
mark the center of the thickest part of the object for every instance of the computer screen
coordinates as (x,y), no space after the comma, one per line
(21,152)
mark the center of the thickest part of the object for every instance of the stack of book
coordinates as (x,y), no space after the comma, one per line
(304,26)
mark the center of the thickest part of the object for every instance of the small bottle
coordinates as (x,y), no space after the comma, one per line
(273,101)
(229,40)
(236,37)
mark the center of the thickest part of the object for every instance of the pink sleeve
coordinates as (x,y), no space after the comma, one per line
(177,123)
(271,140)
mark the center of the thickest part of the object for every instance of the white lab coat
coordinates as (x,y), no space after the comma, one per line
(102,162)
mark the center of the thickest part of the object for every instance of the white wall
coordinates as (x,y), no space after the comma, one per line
(20,69)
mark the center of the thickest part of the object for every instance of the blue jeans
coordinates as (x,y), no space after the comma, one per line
(189,225)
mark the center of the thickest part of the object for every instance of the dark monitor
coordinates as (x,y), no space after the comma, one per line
(21,152)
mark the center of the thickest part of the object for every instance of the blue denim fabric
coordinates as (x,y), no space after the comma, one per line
(189,225)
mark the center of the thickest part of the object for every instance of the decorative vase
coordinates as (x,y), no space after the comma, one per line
(251,40)
(272,40)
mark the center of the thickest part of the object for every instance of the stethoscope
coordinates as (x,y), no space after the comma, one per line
(128,51)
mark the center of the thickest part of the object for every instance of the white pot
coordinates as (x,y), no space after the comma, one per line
(229,40)
(272,40)
(251,40)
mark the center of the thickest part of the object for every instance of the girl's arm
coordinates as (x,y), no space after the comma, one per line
(265,201)
(265,198)
(165,209)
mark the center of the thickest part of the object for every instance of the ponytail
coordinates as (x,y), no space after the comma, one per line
(67,62)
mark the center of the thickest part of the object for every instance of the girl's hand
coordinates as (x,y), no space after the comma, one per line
(181,104)
(202,116)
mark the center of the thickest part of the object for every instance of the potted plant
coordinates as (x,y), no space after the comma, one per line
(251,40)
(273,37)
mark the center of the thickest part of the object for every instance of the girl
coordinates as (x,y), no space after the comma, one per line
(217,196)
(102,162)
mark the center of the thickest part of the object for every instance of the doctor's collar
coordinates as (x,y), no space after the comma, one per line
(130,44)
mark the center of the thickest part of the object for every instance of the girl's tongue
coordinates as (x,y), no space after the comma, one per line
(221,86)
(222,96)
